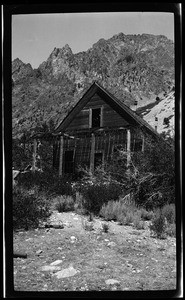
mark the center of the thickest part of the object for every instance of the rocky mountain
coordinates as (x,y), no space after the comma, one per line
(131,67)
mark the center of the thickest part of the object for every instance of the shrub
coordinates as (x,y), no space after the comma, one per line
(79,204)
(171,230)
(125,218)
(158,225)
(46,181)
(105,227)
(152,174)
(168,211)
(97,188)
(62,186)
(29,207)
(138,223)
(125,214)
(64,203)
(98,194)
(146,215)
(88,226)
(110,210)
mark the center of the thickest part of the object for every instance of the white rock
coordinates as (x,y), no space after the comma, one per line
(56,262)
(50,268)
(111,281)
(138,271)
(66,273)
(39,252)
(111,244)
(67,224)
(73,239)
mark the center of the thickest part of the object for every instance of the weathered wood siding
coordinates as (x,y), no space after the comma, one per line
(108,143)
(110,117)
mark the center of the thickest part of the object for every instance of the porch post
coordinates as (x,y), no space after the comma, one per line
(61,155)
(92,153)
(128,148)
(34,154)
(143,143)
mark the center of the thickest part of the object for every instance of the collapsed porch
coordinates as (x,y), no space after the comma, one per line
(92,148)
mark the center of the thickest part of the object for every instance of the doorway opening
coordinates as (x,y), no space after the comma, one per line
(69,162)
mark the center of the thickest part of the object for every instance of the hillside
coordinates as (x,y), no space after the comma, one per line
(131,67)
(161,113)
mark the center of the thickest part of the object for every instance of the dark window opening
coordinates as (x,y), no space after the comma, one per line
(98,159)
(136,145)
(96,116)
(69,162)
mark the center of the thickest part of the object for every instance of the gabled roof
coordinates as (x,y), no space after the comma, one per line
(116,104)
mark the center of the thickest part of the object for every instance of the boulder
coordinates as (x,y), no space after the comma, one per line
(112,281)
(50,268)
(66,273)
(56,262)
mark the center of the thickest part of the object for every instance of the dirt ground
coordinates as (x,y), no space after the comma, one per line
(133,259)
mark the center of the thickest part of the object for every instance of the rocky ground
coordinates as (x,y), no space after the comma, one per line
(71,254)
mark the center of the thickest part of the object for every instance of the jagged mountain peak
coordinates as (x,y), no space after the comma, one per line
(59,52)
(17,63)
(20,70)
(131,67)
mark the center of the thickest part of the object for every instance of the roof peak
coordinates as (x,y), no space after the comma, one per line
(117,105)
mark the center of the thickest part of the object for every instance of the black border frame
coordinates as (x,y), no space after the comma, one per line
(7,11)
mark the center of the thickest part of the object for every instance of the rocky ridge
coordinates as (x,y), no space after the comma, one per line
(131,67)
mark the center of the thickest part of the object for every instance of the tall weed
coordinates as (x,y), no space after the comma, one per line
(125,214)
(168,211)
(158,225)
(64,203)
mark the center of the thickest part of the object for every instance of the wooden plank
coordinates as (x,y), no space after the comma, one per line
(61,155)
(92,153)
(90,118)
(78,127)
(81,117)
(94,104)
(101,116)
(108,148)
(128,148)
(111,117)
(143,143)
(95,101)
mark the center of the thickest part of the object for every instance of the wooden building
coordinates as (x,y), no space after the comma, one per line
(96,128)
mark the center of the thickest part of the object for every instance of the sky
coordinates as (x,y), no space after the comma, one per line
(34,36)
